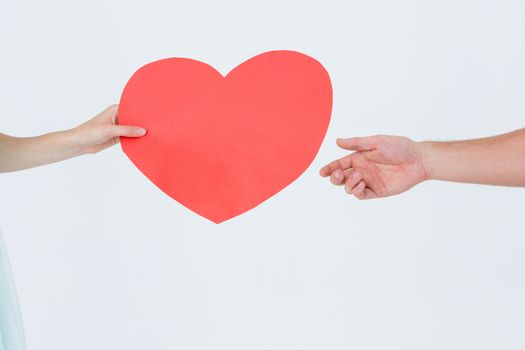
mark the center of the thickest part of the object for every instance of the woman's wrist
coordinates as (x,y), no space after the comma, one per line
(71,142)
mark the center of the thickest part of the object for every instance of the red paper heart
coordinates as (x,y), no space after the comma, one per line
(222,145)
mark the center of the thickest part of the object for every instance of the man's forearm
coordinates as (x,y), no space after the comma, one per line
(497,160)
(17,153)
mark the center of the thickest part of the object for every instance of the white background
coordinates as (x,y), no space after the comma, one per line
(104,260)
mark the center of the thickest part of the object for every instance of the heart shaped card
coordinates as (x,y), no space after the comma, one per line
(221,145)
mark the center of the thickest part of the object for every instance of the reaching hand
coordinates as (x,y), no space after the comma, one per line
(380,166)
(102,131)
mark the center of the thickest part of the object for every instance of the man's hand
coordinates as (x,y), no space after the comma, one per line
(380,166)
(386,165)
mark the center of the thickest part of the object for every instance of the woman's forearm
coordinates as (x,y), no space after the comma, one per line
(17,153)
(497,160)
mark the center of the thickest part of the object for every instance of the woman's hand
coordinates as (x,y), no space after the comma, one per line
(103,131)
(98,133)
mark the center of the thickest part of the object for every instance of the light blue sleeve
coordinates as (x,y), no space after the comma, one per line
(11,329)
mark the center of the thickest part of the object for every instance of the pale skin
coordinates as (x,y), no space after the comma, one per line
(95,135)
(381,166)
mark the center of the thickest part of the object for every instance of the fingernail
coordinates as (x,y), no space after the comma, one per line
(338,176)
(140,131)
(356,175)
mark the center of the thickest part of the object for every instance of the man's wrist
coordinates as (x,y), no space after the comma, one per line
(427,154)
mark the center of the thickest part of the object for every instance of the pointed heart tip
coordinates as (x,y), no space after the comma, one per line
(219,220)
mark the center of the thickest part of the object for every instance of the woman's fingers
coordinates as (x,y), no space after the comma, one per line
(97,138)
(127,131)
(103,146)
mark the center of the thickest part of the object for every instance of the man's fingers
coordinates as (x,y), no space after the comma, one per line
(353,178)
(127,131)
(370,193)
(340,177)
(337,178)
(342,164)
(360,191)
(358,143)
